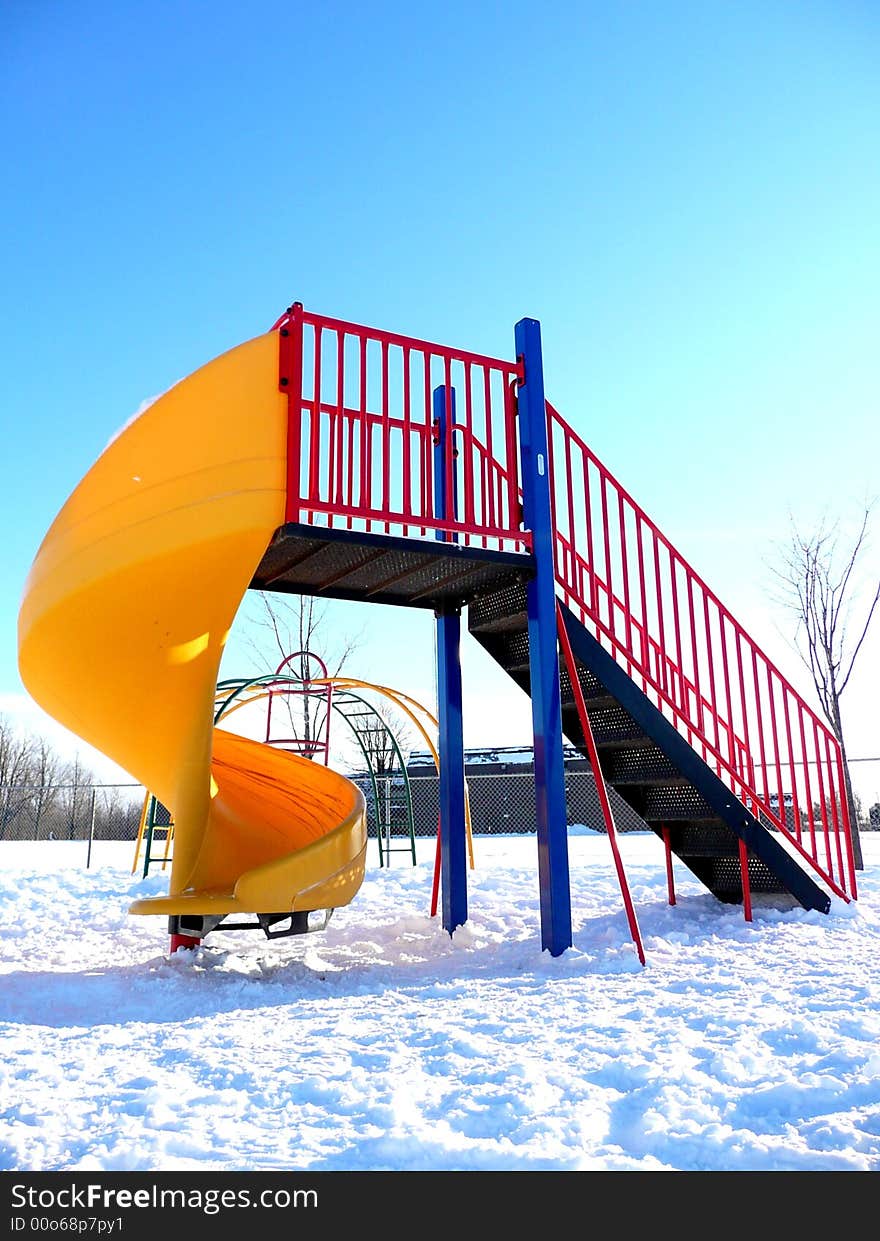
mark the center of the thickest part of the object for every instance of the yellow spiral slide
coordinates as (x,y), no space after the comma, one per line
(125,614)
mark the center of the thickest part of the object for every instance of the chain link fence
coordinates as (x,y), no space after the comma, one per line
(70,811)
(500,803)
(504,802)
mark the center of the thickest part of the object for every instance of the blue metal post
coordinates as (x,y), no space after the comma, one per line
(453,841)
(550,804)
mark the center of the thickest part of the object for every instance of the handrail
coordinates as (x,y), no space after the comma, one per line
(361,440)
(655,613)
(361,433)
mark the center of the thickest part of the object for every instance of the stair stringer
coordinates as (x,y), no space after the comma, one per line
(723,801)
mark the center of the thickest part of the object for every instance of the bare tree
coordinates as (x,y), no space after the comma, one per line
(17,752)
(118,814)
(818,576)
(46,768)
(375,734)
(299,626)
(76,787)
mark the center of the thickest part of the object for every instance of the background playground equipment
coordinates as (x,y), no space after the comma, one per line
(333,459)
(392,813)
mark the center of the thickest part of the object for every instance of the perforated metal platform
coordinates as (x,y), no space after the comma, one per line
(349,564)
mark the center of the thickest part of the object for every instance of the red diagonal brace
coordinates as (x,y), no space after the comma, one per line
(601,787)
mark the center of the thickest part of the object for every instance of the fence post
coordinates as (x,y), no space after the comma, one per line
(91,828)
(550,802)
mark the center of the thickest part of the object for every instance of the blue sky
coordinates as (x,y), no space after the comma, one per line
(686,195)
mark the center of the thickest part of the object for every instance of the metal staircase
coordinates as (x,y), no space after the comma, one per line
(649,763)
(426,476)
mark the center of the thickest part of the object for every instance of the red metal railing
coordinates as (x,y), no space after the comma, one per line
(675,638)
(360,444)
(361,434)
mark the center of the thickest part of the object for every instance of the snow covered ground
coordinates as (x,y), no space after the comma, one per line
(381,1043)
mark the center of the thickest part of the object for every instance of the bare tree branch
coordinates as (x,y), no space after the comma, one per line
(297,626)
(858,645)
(375,733)
(821,591)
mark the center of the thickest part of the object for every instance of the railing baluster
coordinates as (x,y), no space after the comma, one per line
(835,816)
(643,594)
(570,493)
(777,758)
(339,415)
(449,449)
(591,559)
(760,722)
(606,543)
(624,560)
(811,812)
(660,625)
(795,800)
(710,661)
(822,805)
(514,515)
(428,441)
(695,655)
(677,625)
(731,734)
(365,433)
(467,449)
(315,422)
(743,705)
(385,437)
(349,497)
(407,439)
(847,833)
(489,512)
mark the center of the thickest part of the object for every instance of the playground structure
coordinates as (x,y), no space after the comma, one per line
(336,695)
(332,459)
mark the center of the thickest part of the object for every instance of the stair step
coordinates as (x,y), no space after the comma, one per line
(646,765)
(703,840)
(513,623)
(502,612)
(653,769)
(613,724)
(592,688)
(511,649)
(727,878)
(667,802)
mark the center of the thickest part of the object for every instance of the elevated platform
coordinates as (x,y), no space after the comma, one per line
(380,568)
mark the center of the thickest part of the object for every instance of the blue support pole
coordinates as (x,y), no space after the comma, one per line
(550,803)
(453,840)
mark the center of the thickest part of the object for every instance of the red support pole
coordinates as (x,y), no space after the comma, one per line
(746,886)
(435,889)
(670,878)
(601,788)
(183,941)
